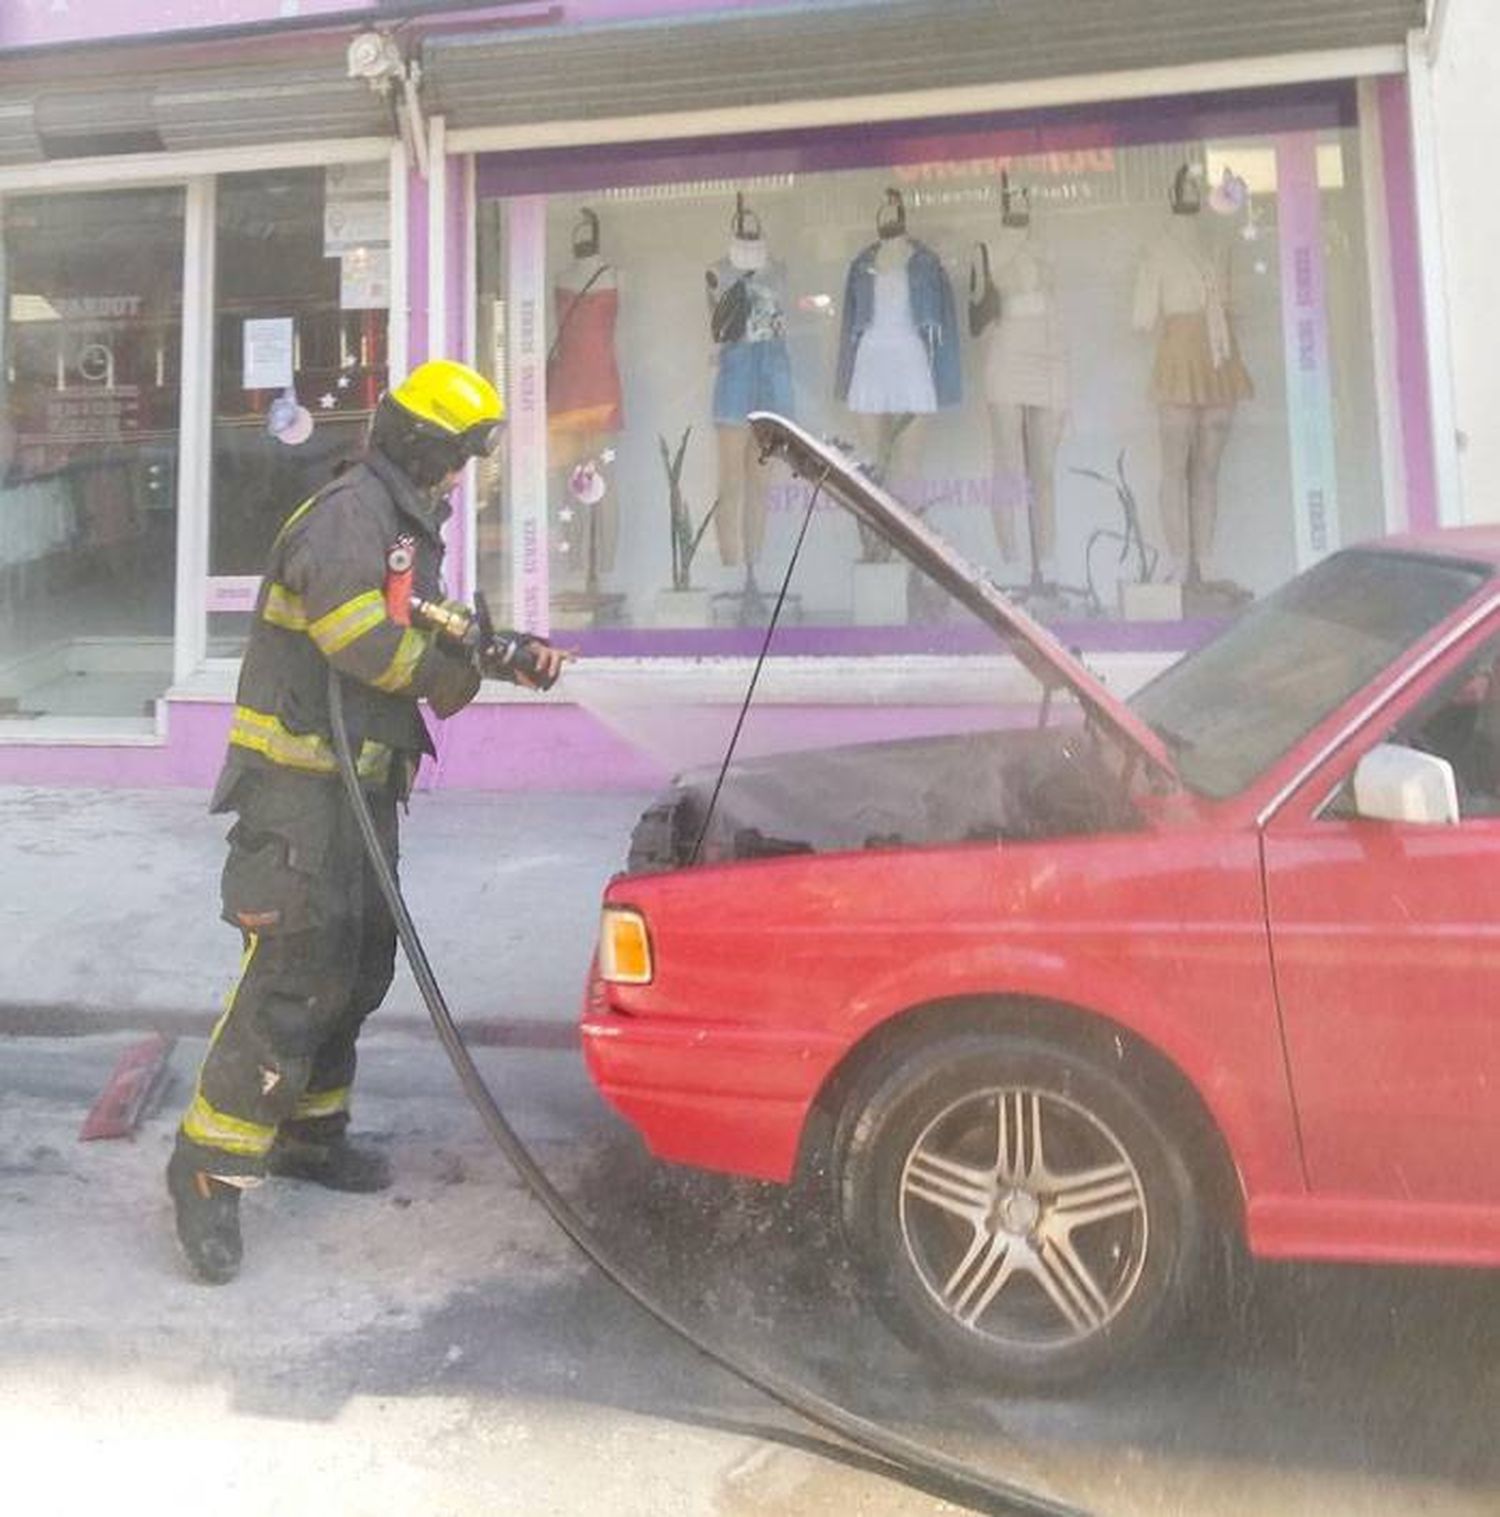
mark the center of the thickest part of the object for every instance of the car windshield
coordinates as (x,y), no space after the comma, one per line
(1234,707)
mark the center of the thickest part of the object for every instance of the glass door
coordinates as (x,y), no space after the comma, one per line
(91,337)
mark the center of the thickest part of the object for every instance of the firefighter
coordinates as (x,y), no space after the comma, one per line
(319,942)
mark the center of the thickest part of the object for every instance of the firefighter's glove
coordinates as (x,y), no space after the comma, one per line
(521,659)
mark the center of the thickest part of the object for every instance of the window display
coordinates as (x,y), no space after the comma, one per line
(1161,402)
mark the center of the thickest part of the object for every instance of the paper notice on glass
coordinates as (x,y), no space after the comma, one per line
(349,224)
(365,279)
(356,181)
(268,353)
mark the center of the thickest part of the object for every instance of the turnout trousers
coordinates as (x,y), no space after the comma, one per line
(319,956)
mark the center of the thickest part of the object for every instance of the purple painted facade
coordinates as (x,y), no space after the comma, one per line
(1411,325)
(50,23)
(513,745)
(506,747)
(1064,129)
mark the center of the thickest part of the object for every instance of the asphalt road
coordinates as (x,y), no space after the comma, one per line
(440,1349)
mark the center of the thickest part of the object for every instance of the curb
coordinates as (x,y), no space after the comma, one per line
(22,1019)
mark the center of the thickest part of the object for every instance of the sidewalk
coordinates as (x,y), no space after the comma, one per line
(438,1348)
(109,906)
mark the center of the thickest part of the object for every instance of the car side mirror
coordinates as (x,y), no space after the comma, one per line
(1397,784)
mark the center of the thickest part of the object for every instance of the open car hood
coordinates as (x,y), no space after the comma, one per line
(1044,657)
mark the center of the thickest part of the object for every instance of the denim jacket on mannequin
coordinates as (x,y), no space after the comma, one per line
(932,308)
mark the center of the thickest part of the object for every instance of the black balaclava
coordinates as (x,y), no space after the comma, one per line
(424,453)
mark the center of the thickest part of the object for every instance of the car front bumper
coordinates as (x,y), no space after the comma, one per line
(715,1095)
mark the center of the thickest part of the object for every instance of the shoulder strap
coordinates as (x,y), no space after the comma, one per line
(562,325)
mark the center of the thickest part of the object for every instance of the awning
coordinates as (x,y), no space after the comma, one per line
(859,48)
(267,96)
(512,76)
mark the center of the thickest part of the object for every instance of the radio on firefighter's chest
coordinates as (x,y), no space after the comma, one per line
(411,568)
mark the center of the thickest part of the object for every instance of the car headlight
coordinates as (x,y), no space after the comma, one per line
(624,947)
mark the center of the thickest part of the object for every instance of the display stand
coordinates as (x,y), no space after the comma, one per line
(579,610)
(681,608)
(1150,603)
(591,606)
(1214,597)
(750,607)
(879,594)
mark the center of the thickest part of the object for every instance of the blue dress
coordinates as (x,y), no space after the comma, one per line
(755,369)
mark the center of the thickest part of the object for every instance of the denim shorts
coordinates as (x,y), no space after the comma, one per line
(753,376)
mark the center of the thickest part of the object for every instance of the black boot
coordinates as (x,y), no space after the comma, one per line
(338,1163)
(208,1220)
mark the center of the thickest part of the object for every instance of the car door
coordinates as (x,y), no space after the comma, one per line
(1385,940)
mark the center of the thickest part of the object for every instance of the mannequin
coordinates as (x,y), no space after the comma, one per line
(584,403)
(1183,294)
(898,351)
(1025,379)
(746,306)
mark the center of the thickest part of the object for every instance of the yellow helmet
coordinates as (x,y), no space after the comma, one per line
(439,415)
(453,397)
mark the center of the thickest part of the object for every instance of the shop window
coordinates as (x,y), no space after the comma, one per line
(90,331)
(1122,362)
(302,296)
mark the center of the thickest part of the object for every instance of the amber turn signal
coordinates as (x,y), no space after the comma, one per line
(624,947)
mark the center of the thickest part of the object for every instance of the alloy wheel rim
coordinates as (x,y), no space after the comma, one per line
(1024,1217)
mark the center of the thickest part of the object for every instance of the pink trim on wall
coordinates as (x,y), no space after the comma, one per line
(35,23)
(41,23)
(451,344)
(513,747)
(197,732)
(1410,324)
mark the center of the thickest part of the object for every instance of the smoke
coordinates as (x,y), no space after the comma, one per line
(667,727)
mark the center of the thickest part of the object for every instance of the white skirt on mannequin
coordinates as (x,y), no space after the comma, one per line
(892,373)
(1025,364)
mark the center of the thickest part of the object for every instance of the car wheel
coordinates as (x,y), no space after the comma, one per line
(1018,1210)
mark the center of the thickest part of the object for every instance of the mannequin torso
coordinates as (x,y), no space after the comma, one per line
(892,253)
(764,279)
(591,273)
(1185,272)
(1018,265)
(583,377)
(1025,361)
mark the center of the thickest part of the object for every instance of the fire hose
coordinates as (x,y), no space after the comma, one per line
(893,1454)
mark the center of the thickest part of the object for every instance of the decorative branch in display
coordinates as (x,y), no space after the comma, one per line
(686,539)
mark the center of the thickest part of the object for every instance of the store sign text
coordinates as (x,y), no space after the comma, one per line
(526,296)
(97,307)
(1059,165)
(1305,342)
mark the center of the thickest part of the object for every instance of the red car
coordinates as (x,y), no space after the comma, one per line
(1052,1004)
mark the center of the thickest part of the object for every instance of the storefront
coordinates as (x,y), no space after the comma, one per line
(1142,341)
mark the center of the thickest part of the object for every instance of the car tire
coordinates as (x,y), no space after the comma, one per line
(1035,1265)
